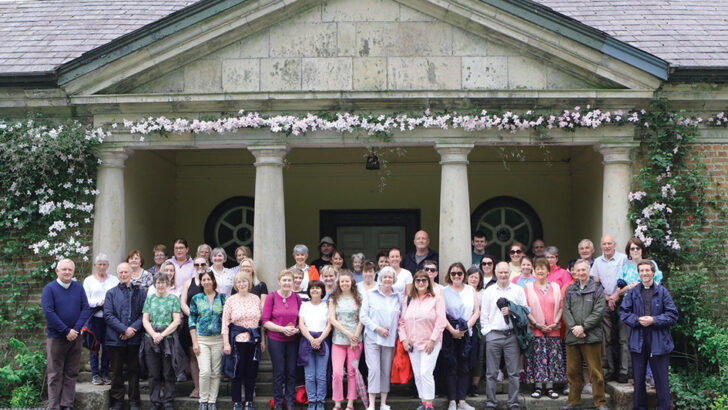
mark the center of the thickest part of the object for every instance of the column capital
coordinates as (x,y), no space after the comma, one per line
(269,154)
(453,153)
(113,157)
(617,153)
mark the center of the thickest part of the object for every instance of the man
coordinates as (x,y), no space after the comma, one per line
(479,244)
(649,312)
(606,270)
(500,339)
(413,261)
(538,247)
(65,307)
(123,308)
(584,304)
(203,251)
(326,249)
(586,252)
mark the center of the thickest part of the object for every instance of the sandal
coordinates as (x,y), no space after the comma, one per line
(552,394)
(537,394)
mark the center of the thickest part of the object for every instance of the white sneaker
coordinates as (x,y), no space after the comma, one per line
(385,407)
(463,405)
(500,376)
(587,389)
(452,406)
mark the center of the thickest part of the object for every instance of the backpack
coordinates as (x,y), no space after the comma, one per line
(88,334)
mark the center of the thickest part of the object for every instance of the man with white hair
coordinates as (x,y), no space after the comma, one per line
(65,307)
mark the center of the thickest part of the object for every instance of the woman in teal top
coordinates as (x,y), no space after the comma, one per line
(205,330)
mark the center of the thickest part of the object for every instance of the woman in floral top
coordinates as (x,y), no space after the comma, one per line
(346,344)
(205,325)
(140,278)
(242,309)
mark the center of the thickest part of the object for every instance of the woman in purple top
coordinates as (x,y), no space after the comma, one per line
(280,318)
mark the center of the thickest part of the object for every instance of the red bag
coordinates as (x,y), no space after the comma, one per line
(401,367)
(300,398)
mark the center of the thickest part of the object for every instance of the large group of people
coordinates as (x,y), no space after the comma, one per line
(328,325)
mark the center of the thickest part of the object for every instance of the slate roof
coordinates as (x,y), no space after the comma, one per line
(40,35)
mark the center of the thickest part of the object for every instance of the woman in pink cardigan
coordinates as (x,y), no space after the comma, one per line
(420,332)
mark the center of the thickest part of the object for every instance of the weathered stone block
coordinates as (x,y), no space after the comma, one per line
(485,73)
(370,73)
(465,43)
(410,14)
(303,40)
(280,74)
(423,73)
(173,82)
(89,396)
(557,79)
(346,39)
(312,15)
(526,73)
(355,10)
(404,39)
(203,76)
(241,75)
(320,74)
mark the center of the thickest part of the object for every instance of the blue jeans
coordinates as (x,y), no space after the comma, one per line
(99,328)
(283,357)
(315,373)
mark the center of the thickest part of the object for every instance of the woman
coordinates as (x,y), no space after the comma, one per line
(206,332)
(161,317)
(241,252)
(310,273)
(337,259)
(463,310)
(380,317)
(315,328)
(183,263)
(259,288)
(547,364)
(475,279)
(368,272)
(96,287)
(517,252)
(169,270)
(160,256)
(344,306)
(223,276)
(298,276)
(526,275)
(430,267)
(280,318)
(140,277)
(487,265)
(356,261)
(241,319)
(420,331)
(191,288)
(557,274)
(402,277)
(328,276)
(382,260)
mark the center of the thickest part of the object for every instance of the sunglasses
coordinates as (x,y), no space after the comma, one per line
(516,251)
(635,248)
(457,273)
(421,280)
(430,269)
(486,263)
(197,265)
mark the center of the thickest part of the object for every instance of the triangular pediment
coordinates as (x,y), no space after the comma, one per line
(364,45)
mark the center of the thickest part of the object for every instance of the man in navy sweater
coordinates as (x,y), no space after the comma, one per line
(66,310)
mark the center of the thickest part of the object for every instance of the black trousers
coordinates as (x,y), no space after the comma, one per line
(457,372)
(659,365)
(246,371)
(161,376)
(124,357)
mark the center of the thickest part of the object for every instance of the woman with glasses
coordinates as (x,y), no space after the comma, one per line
(183,263)
(190,289)
(557,274)
(487,265)
(516,253)
(463,310)
(430,268)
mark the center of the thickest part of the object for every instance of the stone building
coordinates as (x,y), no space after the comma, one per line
(111,61)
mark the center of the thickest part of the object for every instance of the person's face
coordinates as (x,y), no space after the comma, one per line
(356,264)
(65,271)
(538,247)
(479,244)
(239,255)
(329,279)
(387,280)
(582,271)
(421,283)
(159,257)
(608,245)
(203,253)
(337,261)
(218,259)
(503,273)
(635,252)
(286,283)
(526,267)
(135,261)
(326,249)
(382,262)
(553,259)
(394,258)
(422,241)
(200,265)
(586,251)
(431,271)
(101,267)
(206,283)
(474,279)
(246,267)
(242,285)
(180,250)
(368,274)
(345,283)
(315,292)
(540,272)
(487,266)
(516,254)
(123,272)
(573,272)
(297,279)
(457,276)
(161,286)
(300,258)
(646,275)
(170,271)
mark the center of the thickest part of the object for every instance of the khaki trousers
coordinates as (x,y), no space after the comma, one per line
(591,353)
(210,362)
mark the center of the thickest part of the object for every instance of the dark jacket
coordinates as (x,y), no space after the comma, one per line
(230,361)
(664,312)
(410,263)
(521,328)
(171,348)
(584,307)
(122,309)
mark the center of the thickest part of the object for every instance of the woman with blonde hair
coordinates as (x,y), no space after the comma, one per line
(344,307)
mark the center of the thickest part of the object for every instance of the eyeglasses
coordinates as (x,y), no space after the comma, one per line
(486,263)
(635,248)
(421,280)
(516,251)
(197,265)
(430,269)
(179,248)
(457,273)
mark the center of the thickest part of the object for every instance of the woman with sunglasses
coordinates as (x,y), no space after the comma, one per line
(430,267)
(516,253)
(191,288)
(463,310)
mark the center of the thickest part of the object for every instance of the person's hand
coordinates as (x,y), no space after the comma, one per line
(577,330)
(196,349)
(226,348)
(262,345)
(354,339)
(383,332)
(611,304)
(129,332)
(505,311)
(102,303)
(583,335)
(646,320)
(430,346)
(290,330)
(157,338)
(458,334)
(406,345)
(72,335)
(315,344)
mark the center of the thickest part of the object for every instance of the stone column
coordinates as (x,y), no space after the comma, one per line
(269,231)
(109,214)
(454,205)
(615,191)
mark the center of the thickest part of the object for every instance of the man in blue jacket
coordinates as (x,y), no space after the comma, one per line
(65,307)
(648,311)
(123,315)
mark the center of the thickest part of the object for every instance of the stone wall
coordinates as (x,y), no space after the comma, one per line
(715,158)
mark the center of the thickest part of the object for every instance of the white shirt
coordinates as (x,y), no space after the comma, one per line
(608,271)
(404,277)
(96,290)
(224,280)
(314,316)
(491,317)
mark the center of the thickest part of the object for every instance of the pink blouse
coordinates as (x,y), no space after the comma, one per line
(243,312)
(560,276)
(418,324)
(548,304)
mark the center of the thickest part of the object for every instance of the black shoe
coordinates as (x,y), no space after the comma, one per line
(473,391)
(622,378)
(117,406)
(135,406)
(237,406)
(249,405)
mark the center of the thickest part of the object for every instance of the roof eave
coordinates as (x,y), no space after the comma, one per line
(692,74)
(33,79)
